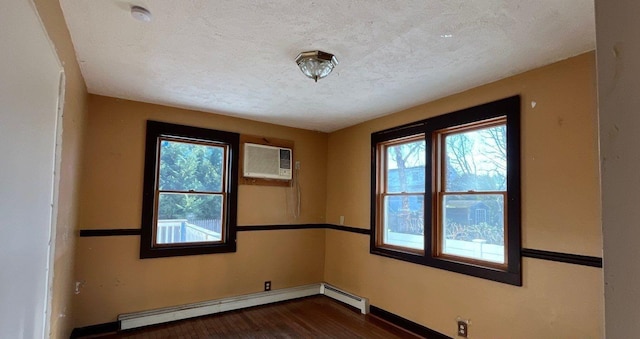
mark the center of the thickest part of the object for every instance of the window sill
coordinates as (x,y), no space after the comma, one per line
(502,276)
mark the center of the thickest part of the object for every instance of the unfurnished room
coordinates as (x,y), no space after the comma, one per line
(319,169)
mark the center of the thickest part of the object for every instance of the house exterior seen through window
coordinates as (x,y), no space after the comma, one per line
(446,192)
(472,191)
(402,193)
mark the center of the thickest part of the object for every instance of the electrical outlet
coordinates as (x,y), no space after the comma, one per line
(267,285)
(463,327)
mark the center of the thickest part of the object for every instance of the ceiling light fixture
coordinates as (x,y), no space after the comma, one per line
(316,64)
(140,13)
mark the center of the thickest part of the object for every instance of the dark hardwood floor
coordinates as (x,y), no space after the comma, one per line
(312,317)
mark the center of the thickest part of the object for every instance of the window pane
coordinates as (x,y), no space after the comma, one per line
(189,218)
(476,160)
(405,167)
(474,226)
(186,166)
(404,221)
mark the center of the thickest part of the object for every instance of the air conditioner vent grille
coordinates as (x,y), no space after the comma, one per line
(261,161)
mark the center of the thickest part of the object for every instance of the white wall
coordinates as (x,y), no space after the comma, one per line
(618,54)
(29,82)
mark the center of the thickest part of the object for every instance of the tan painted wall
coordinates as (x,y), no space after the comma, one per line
(560,212)
(75,111)
(113,279)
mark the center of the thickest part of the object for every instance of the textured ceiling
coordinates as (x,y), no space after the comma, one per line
(237,57)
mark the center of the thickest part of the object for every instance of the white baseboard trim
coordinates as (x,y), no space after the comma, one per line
(167,314)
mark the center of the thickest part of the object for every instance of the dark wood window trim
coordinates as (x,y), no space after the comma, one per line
(160,130)
(509,107)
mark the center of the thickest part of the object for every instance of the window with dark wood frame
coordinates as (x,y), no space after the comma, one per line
(468,164)
(190,191)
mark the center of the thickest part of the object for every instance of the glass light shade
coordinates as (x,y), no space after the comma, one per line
(316,64)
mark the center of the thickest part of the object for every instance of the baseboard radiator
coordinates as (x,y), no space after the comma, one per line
(163,315)
(353,300)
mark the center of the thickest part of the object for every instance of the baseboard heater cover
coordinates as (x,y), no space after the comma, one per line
(168,314)
(335,293)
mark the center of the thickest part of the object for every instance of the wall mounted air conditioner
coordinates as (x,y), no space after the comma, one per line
(267,162)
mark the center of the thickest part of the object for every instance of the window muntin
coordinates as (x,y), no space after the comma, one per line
(190,191)
(401,198)
(473,182)
(447,196)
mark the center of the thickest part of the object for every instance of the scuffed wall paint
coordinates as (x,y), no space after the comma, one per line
(74,117)
(619,108)
(114,277)
(560,212)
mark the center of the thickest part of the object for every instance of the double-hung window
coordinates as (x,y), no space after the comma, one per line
(446,192)
(190,191)
(400,203)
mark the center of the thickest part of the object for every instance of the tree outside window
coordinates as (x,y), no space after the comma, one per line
(190,191)
(446,191)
